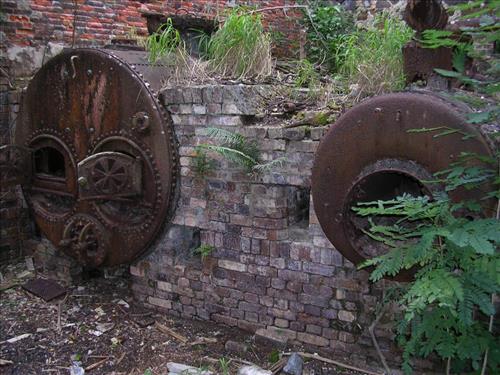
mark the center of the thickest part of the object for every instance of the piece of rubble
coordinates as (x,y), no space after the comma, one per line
(253,370)
(76,369)
(236,347)
(294,365)
(104,327)
(179,368)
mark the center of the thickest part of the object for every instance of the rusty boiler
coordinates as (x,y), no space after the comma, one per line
(96,154)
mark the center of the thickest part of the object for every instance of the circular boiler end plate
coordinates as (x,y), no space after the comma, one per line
(372,152)
(87,97)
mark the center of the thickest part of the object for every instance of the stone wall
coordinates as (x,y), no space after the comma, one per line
(270,272)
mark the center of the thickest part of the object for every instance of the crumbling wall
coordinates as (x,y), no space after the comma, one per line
(269,273)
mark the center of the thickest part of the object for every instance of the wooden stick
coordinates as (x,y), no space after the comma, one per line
(171,332)
(97,364)
(336,363)
(371,329)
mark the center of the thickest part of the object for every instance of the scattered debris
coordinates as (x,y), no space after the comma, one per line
(276,368)
(253,370)
(76,369)
(171,332)
(294,365)
(179,368)
(105,327)
(236,347)
(123,303)
(203,341)
(127,347)
(99,311)
(17,338)
(45,288)
(96,364)
(336,363)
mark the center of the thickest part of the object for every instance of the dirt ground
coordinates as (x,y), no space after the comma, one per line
(100,326)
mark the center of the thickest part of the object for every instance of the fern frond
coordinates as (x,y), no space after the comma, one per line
(225,137)
(266,167)
(233,155)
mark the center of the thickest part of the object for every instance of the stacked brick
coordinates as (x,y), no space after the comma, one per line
(33,23)
(271,272)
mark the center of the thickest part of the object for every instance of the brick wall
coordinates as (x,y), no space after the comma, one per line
(269,273)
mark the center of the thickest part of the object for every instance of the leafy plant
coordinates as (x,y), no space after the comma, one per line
(235,148)
(204,250)
(240,48)
(372,57)
(306,75)
(327,28)
(202,164)
(274,356)
(224,365)
(164,41)
(457,261)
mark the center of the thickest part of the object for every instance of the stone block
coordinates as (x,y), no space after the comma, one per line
(160,302)
(312,339)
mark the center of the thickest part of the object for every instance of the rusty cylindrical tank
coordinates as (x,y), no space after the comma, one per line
(369,154)
(96,154)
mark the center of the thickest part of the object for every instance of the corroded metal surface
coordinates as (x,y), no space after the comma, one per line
(104,153)
(421,15)
(46,289)
(368,154)
(15,165)
(419,62)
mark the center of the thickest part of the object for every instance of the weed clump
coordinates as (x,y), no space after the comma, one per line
(240,48)
(372,57)
(163,42)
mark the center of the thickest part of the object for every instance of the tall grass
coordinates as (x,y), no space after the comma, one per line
(164,41)
(372,56)
(240,48)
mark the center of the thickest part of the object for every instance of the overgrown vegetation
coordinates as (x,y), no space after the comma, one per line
(237,149)
(327,29)
(372,55)
(204,250)
(448,309)
(202,164)
(457,263)
(364,57)
(163,42)
(240,48)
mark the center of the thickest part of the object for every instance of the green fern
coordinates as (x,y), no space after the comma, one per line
(457,261)
(237,149)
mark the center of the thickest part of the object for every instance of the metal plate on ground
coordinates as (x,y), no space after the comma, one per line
(46,289)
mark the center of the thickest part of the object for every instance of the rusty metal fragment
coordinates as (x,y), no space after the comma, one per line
(419,62)
(422,15)
(104,154)
(45,288)
(369,154)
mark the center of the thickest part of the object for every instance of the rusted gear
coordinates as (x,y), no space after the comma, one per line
(369,154)
(85,239)
(109,176)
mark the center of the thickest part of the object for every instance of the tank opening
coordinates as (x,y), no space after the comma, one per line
(50,162)
(386,185)
(382,185)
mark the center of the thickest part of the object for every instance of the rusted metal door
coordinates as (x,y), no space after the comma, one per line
(96,154)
